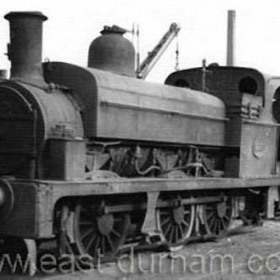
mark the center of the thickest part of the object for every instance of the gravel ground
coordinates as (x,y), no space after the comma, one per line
(247,253)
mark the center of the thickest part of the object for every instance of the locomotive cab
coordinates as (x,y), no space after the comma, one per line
(251,130)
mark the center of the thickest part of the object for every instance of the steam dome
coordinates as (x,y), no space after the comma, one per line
(112,52)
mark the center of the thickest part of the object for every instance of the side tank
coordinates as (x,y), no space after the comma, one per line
(119,107)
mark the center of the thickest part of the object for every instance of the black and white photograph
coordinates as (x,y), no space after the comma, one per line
(140,140)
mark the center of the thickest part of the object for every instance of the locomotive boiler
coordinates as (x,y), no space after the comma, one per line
(93,159)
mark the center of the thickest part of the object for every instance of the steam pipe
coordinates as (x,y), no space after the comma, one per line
(25,48)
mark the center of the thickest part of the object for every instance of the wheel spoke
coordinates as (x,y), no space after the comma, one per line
(90,242)
(180,230)
(110,242)
(103,250)
(172,233)
(213,225)
(184,222)
(176,234)
(223,224)
(116,233)
(87,233)
(227,218)
(96,245)
(169,227)
(212,222)
(165,221)
(209,215)
(220,226)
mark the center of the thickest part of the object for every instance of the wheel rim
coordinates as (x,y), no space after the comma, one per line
(99,235)
(176,224)
(217,217)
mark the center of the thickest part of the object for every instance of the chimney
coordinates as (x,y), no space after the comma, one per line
(231,38)
(25,48)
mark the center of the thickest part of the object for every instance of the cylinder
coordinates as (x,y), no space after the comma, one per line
(25,49)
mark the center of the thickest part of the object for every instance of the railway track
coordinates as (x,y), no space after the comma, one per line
(246,252)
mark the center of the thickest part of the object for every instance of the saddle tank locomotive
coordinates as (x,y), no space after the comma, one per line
(94,159)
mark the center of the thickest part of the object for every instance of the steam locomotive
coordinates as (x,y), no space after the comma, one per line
(94,159)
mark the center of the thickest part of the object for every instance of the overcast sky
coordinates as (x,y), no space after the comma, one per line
(72,25)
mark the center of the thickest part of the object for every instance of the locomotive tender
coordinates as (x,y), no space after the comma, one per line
(95,159)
